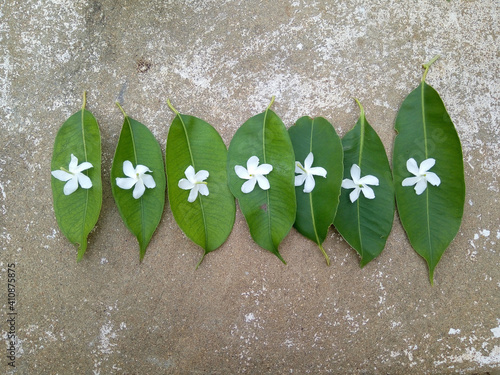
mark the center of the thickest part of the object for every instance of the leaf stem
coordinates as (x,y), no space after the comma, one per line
(324,253)
(172,107)
(361,109)
(270,104)
(428,65)
(84,99)
(121,109)
(201,260)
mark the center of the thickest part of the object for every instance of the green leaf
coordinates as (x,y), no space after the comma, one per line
(269,213)
(425,130)
(77,213)
(139,146)
(316,209)
(208,220)
(366,223)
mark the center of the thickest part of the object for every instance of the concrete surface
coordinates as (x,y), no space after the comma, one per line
(243,311)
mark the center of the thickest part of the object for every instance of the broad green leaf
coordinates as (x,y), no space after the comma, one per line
(316,209)
(77,213)
(366,223)
(138,146)
(269,213)
(425,130)
(208,219)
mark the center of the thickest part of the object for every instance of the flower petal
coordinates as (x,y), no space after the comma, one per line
(355,173)
(264,169)
(309,161)
(263,182)
(317,171)
(368,180)
(149,181)
(249,185)
(309,185)
(368,192)
(203,189)
(139,189)
(410,181)
(141,169)
(71,186)
(421,186)
(298,167)
(73,164)
(252,164)
(299,179)
(241,172)
(62,175)
(348,184)
(128,169)
(354,194)
(125,183)
(189,173)
(84,181)
(193,194)
(426,165)
(433,178)
(185,184)
(412,166)
(84,166)
(201,175)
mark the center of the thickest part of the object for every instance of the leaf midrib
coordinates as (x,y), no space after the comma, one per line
(361,147)
(424,124)
(143,224)
(194,166)
(311,193)
(84,237)
(268,200)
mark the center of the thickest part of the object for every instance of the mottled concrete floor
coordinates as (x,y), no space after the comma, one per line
(243,311)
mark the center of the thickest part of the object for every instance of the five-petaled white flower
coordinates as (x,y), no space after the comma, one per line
(422,175)
(136,176)
(307,172)
(253,173)
(194,182)
(359,184)
(74,176)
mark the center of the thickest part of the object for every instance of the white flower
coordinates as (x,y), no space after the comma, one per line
(136,176)
(422,175)
(194,182)
(360,184)
(74,176)
(307,172)
(253,173)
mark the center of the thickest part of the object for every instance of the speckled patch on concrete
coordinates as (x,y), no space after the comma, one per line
(243,311)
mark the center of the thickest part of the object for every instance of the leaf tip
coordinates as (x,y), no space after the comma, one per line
(201,260)
(81,250)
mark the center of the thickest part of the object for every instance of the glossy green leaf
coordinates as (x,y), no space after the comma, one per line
(431,219)
(208,219)
(366,223)
(316,209)
(77,213)
(270,213)
(138,146)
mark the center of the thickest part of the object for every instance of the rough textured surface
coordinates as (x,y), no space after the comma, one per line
(243,311)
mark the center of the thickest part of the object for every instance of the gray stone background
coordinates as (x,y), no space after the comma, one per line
(243,311)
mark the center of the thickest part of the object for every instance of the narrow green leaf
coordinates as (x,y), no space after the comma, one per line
(138,146)
(77,213)
(316,209)
(365,223)
(425,131)
(208,219)
(269,213)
